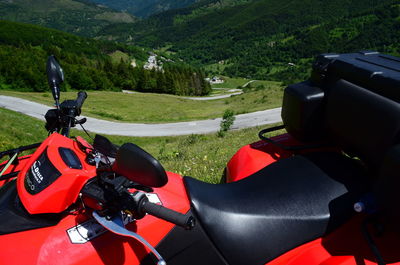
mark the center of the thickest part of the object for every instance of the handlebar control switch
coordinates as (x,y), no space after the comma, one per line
(70,107)
(52,120)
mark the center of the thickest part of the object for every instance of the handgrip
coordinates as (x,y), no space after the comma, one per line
(183,220)
(80,99)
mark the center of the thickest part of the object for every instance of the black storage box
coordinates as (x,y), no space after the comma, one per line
(302,111)
(376,72)
(304,103)
(386,189)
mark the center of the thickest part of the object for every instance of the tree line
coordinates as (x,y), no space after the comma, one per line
(86,63)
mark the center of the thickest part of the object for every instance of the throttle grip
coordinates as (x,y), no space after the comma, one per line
(183,220)
(80,99)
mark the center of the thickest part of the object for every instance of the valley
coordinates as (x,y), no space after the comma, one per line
(199,132)
(256,46)
(263,39)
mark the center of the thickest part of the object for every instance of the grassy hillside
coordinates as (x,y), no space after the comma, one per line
(268,38)
(74,16)
(200,156)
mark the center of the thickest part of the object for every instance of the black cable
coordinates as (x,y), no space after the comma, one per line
(370,241)
(83,128)
(108,162)
(19,149)
(9,175)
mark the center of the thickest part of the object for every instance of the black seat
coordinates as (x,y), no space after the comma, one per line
(286,204)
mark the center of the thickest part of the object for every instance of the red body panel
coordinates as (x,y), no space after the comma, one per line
(64,191)
(253,157)
(52,245)
(345,246)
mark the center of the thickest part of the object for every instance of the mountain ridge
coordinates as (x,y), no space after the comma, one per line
(144,8)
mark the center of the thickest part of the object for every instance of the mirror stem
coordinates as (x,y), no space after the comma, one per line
(57,104)
(56,95)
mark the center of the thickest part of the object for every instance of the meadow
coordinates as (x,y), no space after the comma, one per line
(156,108)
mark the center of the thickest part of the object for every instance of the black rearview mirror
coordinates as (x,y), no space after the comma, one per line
(139,166)
(55,76)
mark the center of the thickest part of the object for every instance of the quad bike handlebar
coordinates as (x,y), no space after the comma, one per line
(64,118)
(115,197)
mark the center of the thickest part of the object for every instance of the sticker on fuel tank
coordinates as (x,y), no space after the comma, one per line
(153,197)
(85,232)
(41,174)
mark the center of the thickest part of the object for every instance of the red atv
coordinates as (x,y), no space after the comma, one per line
(325,193)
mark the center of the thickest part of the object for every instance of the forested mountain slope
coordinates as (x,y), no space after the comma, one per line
(88,64)
(74,16)
(268,38)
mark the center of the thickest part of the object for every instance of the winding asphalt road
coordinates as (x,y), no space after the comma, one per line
(37,110)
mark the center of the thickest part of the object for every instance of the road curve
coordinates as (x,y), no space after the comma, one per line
(214,97)
(251,81)
(235,92)
(94,125)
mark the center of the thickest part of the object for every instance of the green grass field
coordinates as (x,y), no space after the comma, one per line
(201,156)
(216,67)
(117,56)
(231,82)
(156,108)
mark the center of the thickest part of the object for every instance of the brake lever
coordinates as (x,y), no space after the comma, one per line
(116,226)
